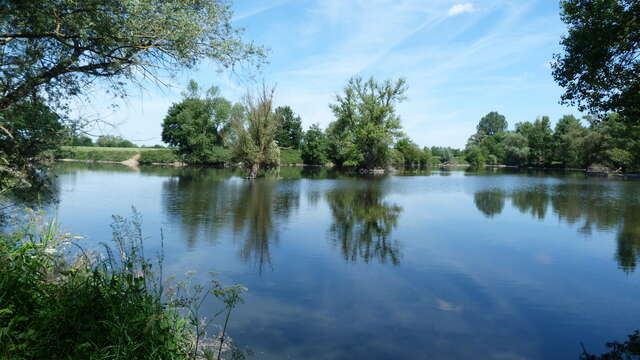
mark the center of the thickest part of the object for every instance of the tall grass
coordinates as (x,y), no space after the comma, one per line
(112,304)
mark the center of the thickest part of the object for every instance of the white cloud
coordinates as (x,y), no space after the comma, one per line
(461,9)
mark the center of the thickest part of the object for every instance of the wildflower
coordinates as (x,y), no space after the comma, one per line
(50,251)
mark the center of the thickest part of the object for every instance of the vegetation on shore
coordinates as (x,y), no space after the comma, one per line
(59,301)
(610,144)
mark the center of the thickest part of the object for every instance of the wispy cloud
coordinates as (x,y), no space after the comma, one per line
(458,67)
(258,10)
(461,9)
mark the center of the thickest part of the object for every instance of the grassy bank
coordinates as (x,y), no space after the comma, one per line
(55,305)
(149,155)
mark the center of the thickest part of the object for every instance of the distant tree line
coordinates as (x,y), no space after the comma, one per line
(366,133)
(612,143)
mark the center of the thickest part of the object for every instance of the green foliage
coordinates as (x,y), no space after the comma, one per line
(289,131)
(539,139)
(314,146)
(59,47)
(55,306)
(199,125)
(516,149)
(445,154)
(366,123)
(97,153)
(599,66)
(427,158)
(411,153)
(81,141)
(568,139)
(159,156)
(491,124)
(28,130)
(476,156)
(255,146)
(114,141)
(291,156)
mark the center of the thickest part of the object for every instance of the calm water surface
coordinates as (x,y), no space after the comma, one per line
(427,265)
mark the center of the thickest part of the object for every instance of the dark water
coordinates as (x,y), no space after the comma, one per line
(429,265)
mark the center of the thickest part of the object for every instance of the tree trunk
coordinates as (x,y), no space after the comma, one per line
(253,171)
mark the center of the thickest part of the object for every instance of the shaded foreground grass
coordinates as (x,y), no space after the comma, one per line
(110,306)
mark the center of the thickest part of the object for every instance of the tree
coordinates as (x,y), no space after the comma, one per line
(58,47)
(366,124)
(516,148)
(568,138)
(314,146)
(54,50)
(599,66)
(32,130)
(255,146)
(614,143)
(491,124)
(426,157)
(539,139)
(114,141)
(289,132)
(411,152)
(476,156)
(199,126)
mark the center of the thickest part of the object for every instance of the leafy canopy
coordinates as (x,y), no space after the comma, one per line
(255,144)
(59,47)
(314,146)
(200,125)
(599,66)
(289,131)
(366,123)
(491,124)
(32,130)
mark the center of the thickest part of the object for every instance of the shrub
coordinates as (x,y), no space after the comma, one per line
(163,156)
(54,306)
(96,153)
(290,156)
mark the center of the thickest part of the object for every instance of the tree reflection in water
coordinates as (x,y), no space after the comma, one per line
(363,223)
(205,201)
(594,205)
(261,205)
(490,202)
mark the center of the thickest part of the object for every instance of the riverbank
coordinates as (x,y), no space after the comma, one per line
(147,156)
(61,303)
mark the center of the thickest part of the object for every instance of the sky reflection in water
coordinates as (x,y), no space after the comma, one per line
(439,265)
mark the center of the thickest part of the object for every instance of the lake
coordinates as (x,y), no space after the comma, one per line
(420,265)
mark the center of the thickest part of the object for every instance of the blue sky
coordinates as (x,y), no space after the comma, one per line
(462,59)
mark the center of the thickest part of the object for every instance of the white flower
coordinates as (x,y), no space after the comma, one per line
(50,251)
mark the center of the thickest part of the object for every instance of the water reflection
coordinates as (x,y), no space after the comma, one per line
(262,203)
(205,202)
(490,202)
(591,205)
(363,222)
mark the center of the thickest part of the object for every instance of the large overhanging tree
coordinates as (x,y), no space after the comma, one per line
(600,63)
(57,47)
(53,50)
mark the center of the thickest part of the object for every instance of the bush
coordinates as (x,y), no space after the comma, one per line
(54,307)
(290,156)
(215,155)
(96,153)
(163,156)
(314,146)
